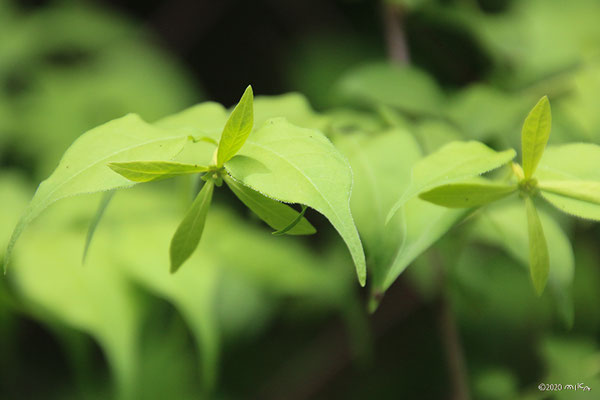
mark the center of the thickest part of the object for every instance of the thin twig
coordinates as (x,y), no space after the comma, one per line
(449,334)
(397,47)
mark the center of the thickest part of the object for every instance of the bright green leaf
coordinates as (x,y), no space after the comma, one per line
(454,162)
(575,161)
(466,195)
(405,87)
(502,224)
(534,136)
(275,213)
(97,299)
(588,191)
(147,171)
(573,206)
(83,167)
(238,127)
(297,165)
(188,234)
(539,262)
(292,224)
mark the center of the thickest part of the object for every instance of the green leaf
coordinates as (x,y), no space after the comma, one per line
(588,191)
(276,214)
(148,171)
(454,162)
(539,262)
(106,198)
(297,165)
(407,88)
(573,206)
(292,224)
(188,234)
(238,127)
(466,195)
(502,224)
(49,279)
(83,167)
(534,135)
(575,161)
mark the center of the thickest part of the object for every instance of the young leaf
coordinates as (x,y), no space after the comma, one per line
(534,135)
(539,262)
(83,167)
(276,214)
(502,224)
(466,195)
(189,232)
(106,198)
(148,171)
(238,127)
(587,191)
(573,206)
(454,162)
(292,224)
(298,165)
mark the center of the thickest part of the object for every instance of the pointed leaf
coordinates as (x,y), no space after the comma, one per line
(454,162)
(534,135)
(148,171)
(297,165)
(502,224)
(466,195)
(292,224)
(189,232)
(106,198)
(275,213)
(539,262)
(83,167)
(238,127)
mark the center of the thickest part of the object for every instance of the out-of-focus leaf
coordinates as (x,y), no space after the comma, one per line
(237,128)
(576,161)
(425,223)
(147,171)
(188,234)
(482,111)
(539,262)
(534,136)
(276,214)
(297,165)
(292,106)
(83,168)
(407,88)
(380,178)
(96,299)
(571,361)
(454,162)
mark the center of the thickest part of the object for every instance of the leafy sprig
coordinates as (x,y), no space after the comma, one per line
(567,193)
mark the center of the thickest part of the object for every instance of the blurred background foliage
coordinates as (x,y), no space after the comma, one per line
(255,316)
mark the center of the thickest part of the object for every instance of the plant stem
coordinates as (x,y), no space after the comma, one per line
(449,334)
(393,19)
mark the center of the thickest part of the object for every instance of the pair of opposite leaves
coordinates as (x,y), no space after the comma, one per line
(187,236)
(282,161)
(576,197)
